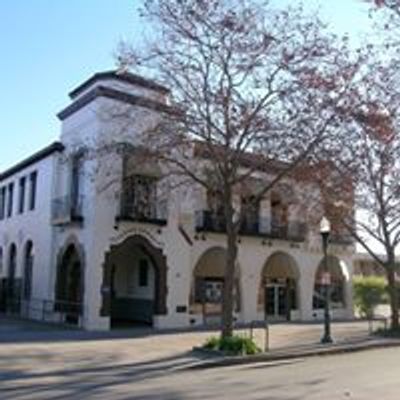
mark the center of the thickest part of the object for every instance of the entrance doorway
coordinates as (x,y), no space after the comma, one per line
(134,283)
(278,288)
(69,286)
(279,300)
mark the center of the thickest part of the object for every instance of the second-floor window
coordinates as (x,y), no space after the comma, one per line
(33,189)
(76,181)
(251,211)
(22,189)
(215,203)
(140,196)
(279,212)
(10,199)
(3,192)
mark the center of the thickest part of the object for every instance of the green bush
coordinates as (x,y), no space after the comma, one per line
(368,293)
(232,345)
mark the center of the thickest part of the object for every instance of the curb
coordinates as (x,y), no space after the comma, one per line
(282,355)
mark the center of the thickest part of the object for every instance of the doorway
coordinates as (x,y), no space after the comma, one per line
(279,300)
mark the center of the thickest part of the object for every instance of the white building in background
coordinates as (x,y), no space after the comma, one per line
(100,240)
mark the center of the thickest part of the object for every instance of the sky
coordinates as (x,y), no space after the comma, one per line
(48,47)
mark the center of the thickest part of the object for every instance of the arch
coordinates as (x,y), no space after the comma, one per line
(70,281)
(13,284)
(143,294)
(12,262)
(278,291)
(28,270)
(1,261)
(207,283)
(339,275)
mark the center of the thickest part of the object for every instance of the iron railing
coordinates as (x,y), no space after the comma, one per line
(51,311)
(341,239)
(207,221)
(152,213)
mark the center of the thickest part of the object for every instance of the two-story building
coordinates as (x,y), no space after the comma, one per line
(90,235)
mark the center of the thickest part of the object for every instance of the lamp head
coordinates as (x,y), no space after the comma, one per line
(324,226)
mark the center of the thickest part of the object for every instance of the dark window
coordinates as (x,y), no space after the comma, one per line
(32,198)
(22,184)
(76,181)
(2,203)
(251,213)
(143,273)
(1,260)
(28,269)
(10,199)
(12,262)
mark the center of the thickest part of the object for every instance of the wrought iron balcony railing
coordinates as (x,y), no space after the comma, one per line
(341,239)
(152,213)
(207,221)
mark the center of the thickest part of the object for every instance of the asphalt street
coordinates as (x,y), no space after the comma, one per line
(373,374)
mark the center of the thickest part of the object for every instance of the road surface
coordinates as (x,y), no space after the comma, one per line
(373,374)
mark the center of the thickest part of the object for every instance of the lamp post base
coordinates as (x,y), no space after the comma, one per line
(326,340)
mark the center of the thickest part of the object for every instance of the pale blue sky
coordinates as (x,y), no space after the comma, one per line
(47,47)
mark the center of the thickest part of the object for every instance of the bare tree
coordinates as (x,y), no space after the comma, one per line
(254,89)
(368,163)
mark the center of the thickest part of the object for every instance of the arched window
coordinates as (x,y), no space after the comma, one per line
(1,261)
(12,284)
(28,269)
(12,262)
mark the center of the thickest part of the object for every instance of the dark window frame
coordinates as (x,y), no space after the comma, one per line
(33,190)
(10,202)
(3,196)
(22,195)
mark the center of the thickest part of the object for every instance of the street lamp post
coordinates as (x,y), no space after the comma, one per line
(325,229)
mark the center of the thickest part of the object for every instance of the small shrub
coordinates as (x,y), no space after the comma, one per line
(389,333)
(232,345)
(212,343)
(369,292)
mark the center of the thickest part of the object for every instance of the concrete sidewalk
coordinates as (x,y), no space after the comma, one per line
(31,339)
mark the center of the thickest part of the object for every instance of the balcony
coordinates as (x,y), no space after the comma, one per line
(66,210)
(155,213)
(341,239)
(207,221)
(295,231)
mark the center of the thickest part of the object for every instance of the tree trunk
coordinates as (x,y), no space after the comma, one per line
(229,276)
(394,297)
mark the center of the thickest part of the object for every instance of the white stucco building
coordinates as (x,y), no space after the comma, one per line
(98,240)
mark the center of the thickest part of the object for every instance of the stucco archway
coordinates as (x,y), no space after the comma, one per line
(278,291)
(207,284)
(134,285)
(70,281)
(13,285)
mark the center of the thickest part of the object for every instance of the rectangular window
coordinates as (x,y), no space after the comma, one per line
(21,205)
(10,199)
(143,273)
(32,198)
(2,203)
